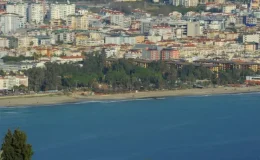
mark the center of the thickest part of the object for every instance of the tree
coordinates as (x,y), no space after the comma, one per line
(2,73)
(31,43)
(15,146)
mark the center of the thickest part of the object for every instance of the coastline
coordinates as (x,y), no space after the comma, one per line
(49,99)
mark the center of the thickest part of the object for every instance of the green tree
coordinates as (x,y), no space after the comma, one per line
(31,43)
(2,73)
(15,146)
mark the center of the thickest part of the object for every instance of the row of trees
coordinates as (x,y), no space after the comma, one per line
(123,74)
(15,146)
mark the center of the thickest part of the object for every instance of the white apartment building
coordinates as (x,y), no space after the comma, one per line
(251,38)
(36,13)
(10,22)
(20,9)
(61,11)
(8,82)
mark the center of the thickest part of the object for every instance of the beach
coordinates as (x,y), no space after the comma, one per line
(49,99)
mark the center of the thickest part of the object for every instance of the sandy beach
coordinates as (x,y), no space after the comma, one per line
(35,100)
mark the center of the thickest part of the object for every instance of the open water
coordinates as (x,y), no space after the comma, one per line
(222,127)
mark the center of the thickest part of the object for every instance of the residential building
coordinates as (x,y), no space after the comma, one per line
(133,54)
(160,30)
(255,4)
(169,53)
(177,2)
(180,27)
(253,79)
(250,21)
(193,29)
(26,41)
(8,42)
(20,9)
(228,8)
(85,40)
(250,47)
(10,22)
(120,40)
(151,54)
(61,11)
(145,26)
(117,18)
(139,39)
(191,3)
(77,22)
(8,82)
(36,13)
(251,38)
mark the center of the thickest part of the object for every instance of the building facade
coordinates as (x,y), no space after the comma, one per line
(20,9)
(61,11)
(36,13)
(8,82)
(10,22)
(77,22)
(169,53)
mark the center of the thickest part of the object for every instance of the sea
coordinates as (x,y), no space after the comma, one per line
(209,127)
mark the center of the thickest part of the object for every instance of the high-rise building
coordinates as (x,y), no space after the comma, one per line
(18,8)
(193,29)
(61,11)
(10,22)
(35,13)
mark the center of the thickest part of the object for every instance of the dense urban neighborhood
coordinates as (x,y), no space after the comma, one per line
(128,44)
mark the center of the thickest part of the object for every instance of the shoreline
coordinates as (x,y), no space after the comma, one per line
(49,99)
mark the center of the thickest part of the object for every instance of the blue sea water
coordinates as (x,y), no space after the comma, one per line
(222,127)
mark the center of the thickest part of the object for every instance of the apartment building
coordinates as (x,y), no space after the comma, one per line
(26,41)
(191,3)
(8,82)
(193,29)
(228,8)
(8,42)
(160,30)
(36,13)
(18,8)
(255,38)
(120,40)
(169,53)
(61,11)
(77,22)
(10,22)
(117,18)
(151,54)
